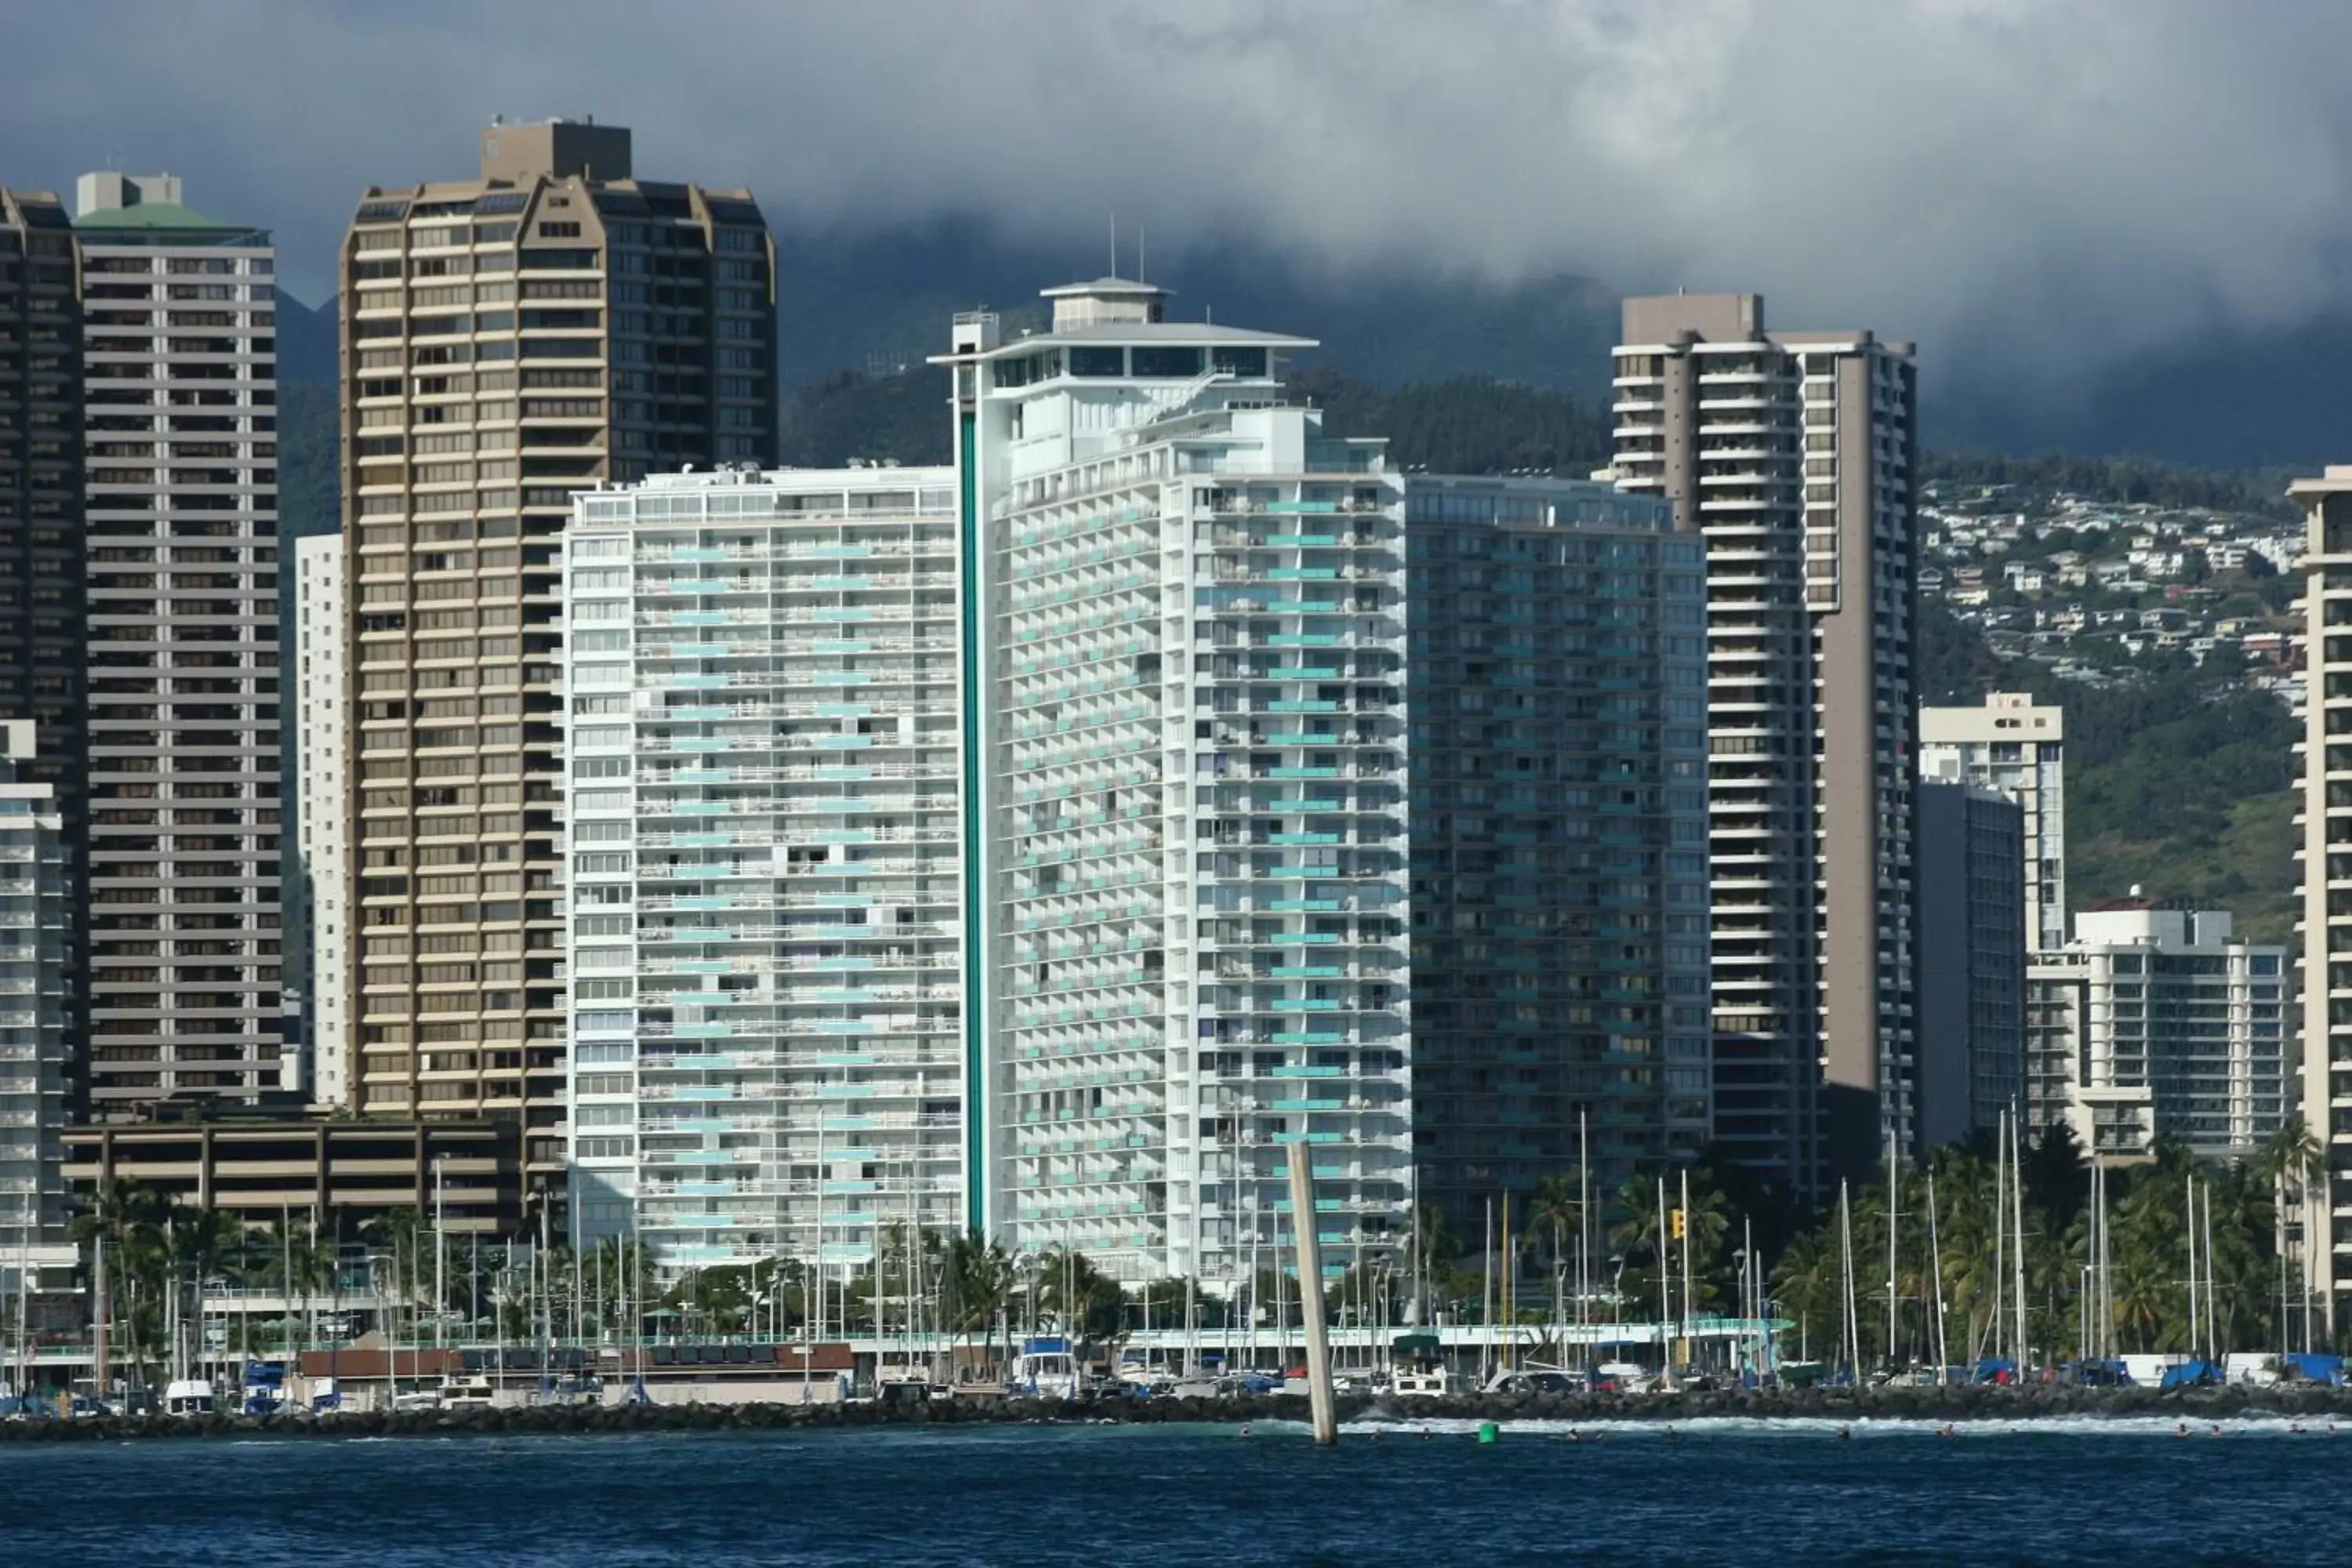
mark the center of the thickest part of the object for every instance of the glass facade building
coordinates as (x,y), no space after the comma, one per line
(1556,678)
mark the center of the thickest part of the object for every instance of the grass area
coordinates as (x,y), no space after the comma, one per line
(2247,869)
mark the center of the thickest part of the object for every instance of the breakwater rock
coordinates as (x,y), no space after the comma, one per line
(2026,1403)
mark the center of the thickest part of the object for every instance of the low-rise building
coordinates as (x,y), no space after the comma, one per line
(262,1167)
(2157,1023)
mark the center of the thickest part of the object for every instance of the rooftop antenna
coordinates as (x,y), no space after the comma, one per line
(1139,253)
(1114,243)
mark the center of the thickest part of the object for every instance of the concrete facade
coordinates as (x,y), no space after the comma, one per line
(2017,746)
(2325,1098)
(41,534)
(507,340)
(36,1065)
(1794,454)
(767,863)
(323,939)
(2158,1024)
(1972,949)
(1556,674)
(1186,772)
(185,945)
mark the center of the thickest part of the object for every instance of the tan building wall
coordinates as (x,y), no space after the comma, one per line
(507,340)
(1793,453)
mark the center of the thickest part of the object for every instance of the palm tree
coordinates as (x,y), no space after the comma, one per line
(1085,1303)
(1807,1284)
(400,1231)
(129,1215)
(201,1240)
(1555,1216)
(976,1281)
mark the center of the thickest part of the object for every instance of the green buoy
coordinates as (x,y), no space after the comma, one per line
(1488,1432)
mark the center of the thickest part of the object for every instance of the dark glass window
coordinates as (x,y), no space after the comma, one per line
(1097,361)
(1167,362)
(1239,361)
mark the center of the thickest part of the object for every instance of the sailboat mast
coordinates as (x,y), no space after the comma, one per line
(1999,1234)
(1935,1280)
(1486,1299)
(2196,1323)
(2214,1345)
(2017,1208)
(1584,1232)
(1893,1219)
(1849,1324)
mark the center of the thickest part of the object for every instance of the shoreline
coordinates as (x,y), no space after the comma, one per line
(1935,1406)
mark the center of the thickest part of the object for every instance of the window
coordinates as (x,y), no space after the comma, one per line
(1167,363)
(1096,361)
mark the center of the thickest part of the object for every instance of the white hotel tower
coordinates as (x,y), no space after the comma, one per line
(767,1046)
(1184,782)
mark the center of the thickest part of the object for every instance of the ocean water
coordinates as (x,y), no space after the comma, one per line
(1718,1493)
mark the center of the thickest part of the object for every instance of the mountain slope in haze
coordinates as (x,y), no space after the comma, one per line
(877,299)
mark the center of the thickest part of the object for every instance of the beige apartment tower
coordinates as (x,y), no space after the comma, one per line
(2320,1226)
(1793,453)
(180,355)
(552,325)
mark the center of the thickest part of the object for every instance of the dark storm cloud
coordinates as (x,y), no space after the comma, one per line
(2032,179)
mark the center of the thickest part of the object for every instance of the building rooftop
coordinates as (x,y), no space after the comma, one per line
(152,215)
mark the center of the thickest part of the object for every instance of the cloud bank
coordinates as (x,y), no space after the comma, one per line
(2024,185)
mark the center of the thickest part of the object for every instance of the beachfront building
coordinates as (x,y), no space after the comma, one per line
(2157,1023)
(1556,678)
(1185,779)
(766,862)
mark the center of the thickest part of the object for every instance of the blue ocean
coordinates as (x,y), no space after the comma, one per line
(1722,1492)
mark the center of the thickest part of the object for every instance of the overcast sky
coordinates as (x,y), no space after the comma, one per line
(2016,181)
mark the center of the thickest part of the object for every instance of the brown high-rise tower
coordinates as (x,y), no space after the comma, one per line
(1793,453)
(551,325)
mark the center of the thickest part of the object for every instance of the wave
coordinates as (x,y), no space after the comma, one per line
(1660,1427)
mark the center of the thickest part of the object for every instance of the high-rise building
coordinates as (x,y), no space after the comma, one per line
(1971,868)
(41,543)
(179,343)
(2325,1219)
(2158,1024)
(507,340)
(36,921)
(767,862)
(1557,680)
(1183,777)
(2017,746)
(1792,453)
(321,933)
